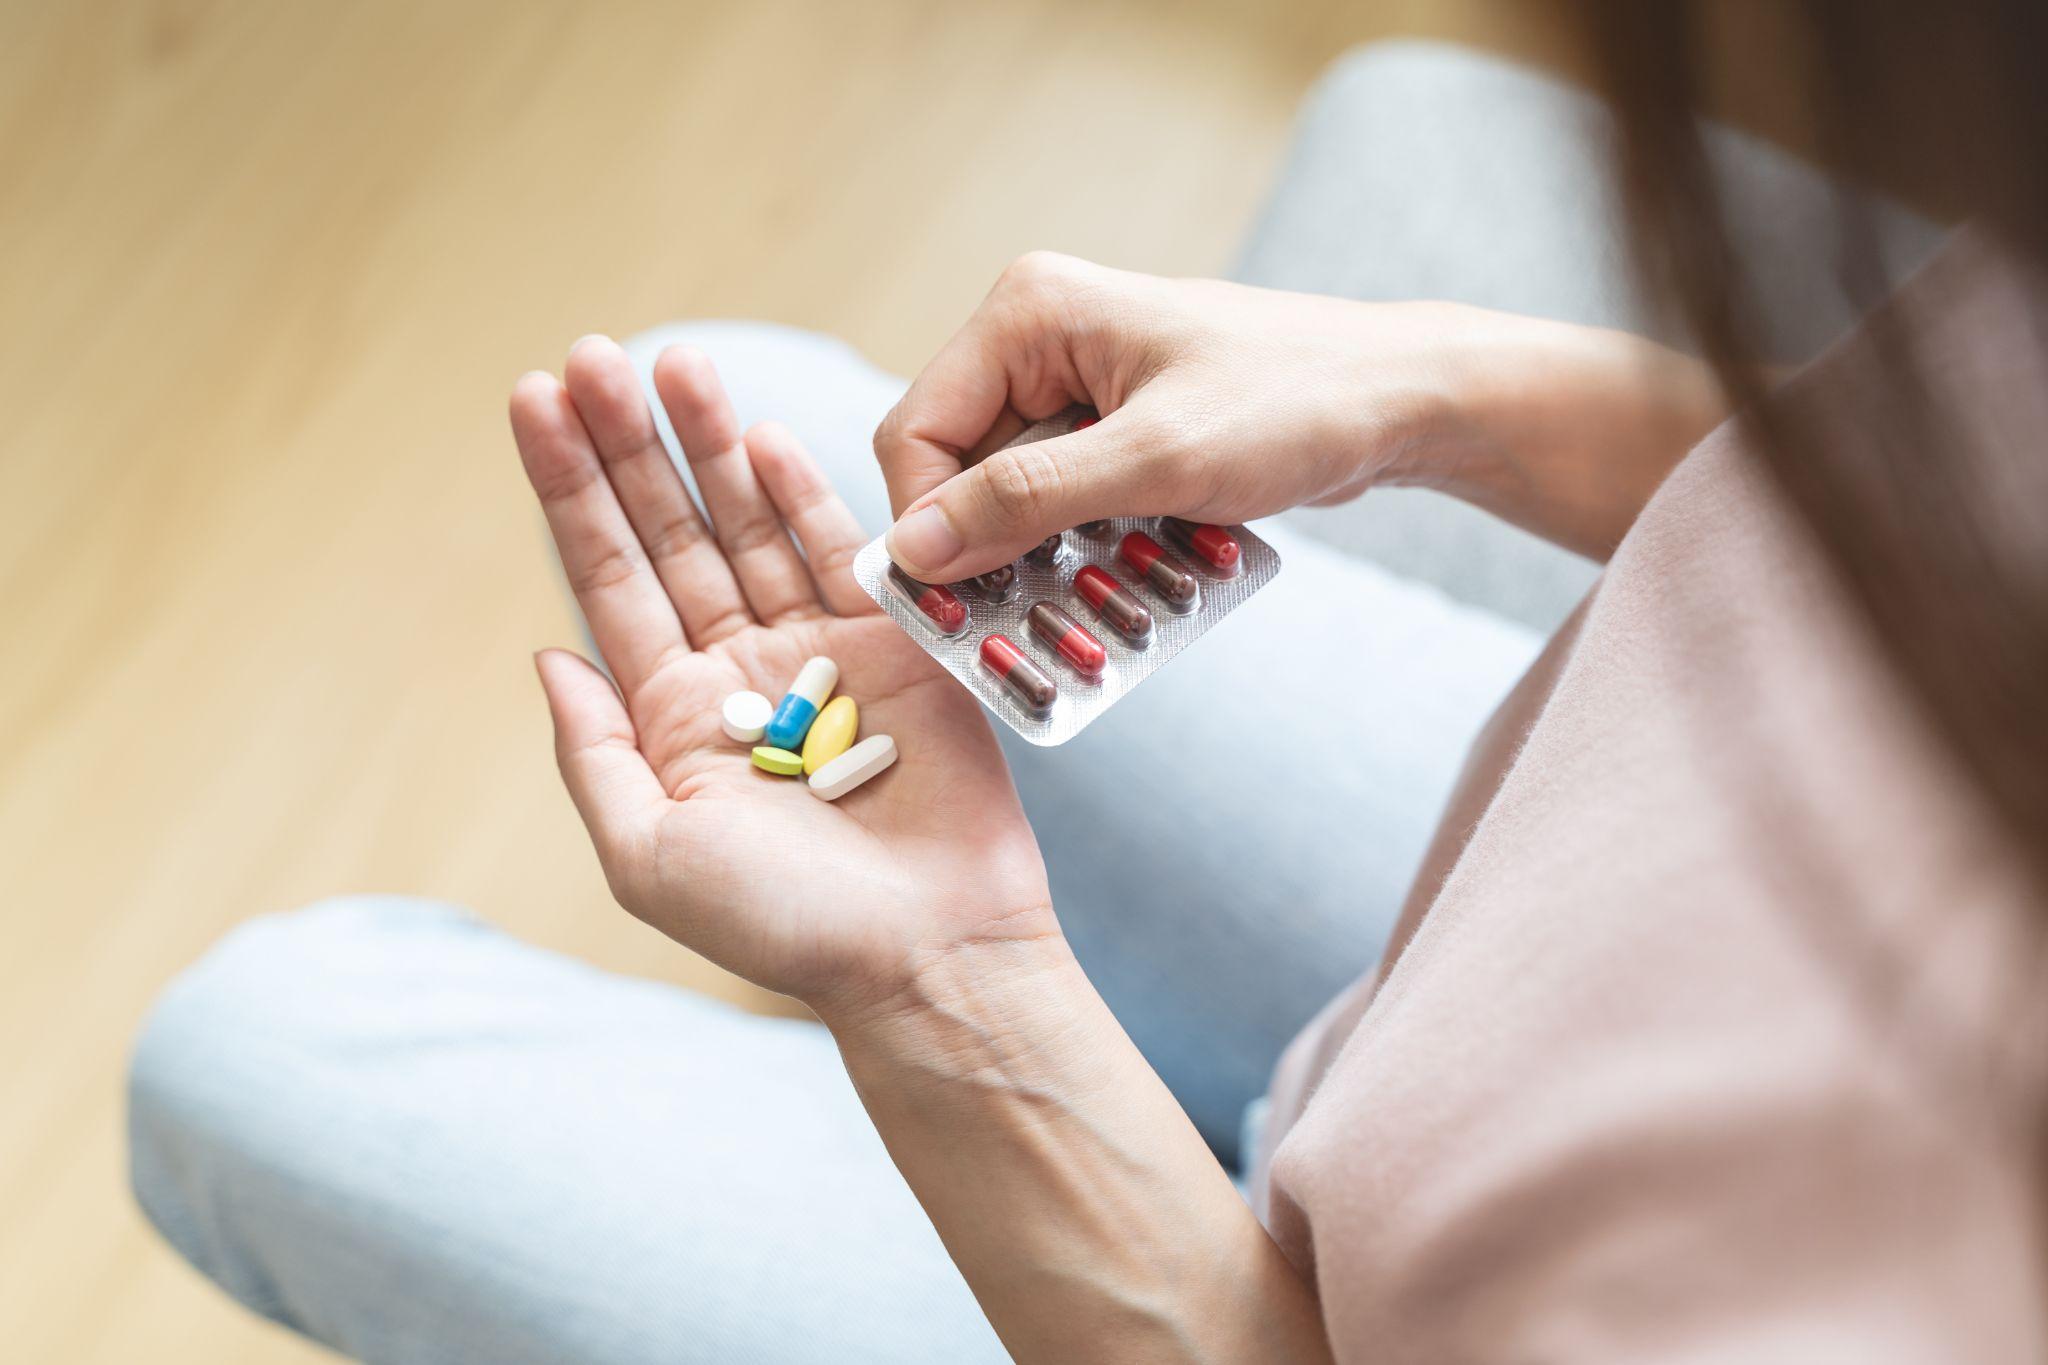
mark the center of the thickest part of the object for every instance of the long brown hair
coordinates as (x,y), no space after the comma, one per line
(1952,98)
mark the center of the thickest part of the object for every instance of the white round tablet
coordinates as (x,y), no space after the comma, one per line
(853,767)
(746,715)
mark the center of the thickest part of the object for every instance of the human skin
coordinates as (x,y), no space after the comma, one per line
(1223,403)
(1081,1206)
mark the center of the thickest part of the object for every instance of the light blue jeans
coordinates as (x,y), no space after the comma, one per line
(390,1126)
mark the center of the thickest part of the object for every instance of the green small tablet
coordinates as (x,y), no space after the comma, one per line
(780,761)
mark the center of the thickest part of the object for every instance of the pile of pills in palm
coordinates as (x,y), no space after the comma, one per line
(1053,640)
(810,734)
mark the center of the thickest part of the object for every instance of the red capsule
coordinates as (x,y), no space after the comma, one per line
(1167,575)
(1081,423)
(947,613)
(1068,638)
(1214,544)
(1125,614)
(1027,682)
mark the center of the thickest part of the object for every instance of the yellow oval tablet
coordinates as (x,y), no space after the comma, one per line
(831,733)
(778,761)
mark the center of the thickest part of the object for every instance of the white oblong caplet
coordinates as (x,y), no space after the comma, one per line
(872,755)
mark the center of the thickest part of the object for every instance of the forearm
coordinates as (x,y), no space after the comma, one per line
(1560,429)
(1084,1210)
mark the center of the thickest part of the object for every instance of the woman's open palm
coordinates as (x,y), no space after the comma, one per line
(827,901)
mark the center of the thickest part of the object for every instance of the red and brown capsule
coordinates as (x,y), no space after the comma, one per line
(1167,576)
(1125,614)
(1026,681)
(1216,547)
(1069,639)
(997,585)
(946,613)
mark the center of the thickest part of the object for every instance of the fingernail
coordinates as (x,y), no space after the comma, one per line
(924,540)
(590,336)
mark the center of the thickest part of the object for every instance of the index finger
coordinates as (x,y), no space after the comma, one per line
(629,612)
(954,403)
(1007,367)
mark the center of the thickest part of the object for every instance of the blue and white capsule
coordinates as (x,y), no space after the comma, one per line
(799,706)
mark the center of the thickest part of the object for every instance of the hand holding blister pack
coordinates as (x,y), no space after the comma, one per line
(1051,642)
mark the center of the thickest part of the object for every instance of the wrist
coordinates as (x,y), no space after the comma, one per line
(1419,404)
(1562,429)
(1072,1191)
(1466,402)
(969,1006)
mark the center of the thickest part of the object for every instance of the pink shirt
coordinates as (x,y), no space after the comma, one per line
(1719,1039)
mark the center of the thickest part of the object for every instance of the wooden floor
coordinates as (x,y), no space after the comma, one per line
(269,578)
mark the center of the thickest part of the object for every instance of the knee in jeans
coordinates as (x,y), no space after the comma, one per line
(278,959)
(224,1094)
(281,964)
(223,1033)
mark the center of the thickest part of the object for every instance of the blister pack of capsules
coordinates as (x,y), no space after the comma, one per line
(1052,641)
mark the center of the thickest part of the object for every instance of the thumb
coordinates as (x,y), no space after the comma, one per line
(991,513)
(608,778)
